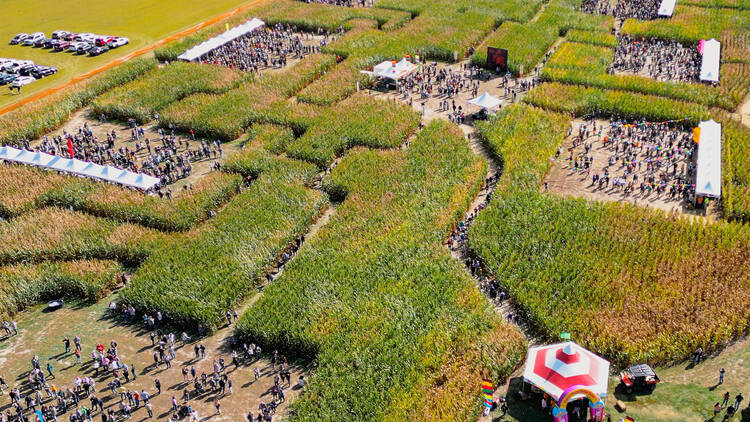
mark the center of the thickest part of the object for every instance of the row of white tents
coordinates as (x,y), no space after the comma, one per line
(78,167)
(206,47)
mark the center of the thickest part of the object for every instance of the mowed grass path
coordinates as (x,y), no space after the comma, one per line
(144,22)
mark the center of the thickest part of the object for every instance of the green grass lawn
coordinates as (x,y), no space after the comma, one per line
(686,394)
(144,22)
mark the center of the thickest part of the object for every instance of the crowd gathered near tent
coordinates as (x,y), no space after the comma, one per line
(266,47)
(644,158)
(638,9)
(168,158)
(104,383)
(658,59)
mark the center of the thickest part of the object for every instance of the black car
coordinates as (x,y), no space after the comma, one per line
(6,78)
(98,50)
(41,71)
(40,42)
(25,70)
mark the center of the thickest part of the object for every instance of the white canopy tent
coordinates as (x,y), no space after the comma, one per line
(486,101)
(710,62)
(206,47)
(79,168)
(708,168)
(667,7)
(389,70)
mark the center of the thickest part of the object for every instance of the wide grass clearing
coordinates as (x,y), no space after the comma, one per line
(143,22)
(376,299)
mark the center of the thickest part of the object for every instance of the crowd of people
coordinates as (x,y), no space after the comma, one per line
(658,59)
(644,158)
(447,83)
(169,157)
(623,9)
(265,48)
(42,393)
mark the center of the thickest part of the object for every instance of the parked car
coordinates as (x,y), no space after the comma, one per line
(19,38)
(6,78)
(74,46)
(49,43)
(15,65)
(40,72)
(86,37)
(59,34)
(41,42)
(62,46)
(69,36)
(33,38)
(22,81)
(98,50)
(104,40)
(641,378)
(25,69)
(84,48)
(118,42)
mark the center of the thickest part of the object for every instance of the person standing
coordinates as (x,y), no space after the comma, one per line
(721,376)
(737,401)
(725,399)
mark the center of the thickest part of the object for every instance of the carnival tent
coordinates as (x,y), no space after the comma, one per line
(78,167)
(395,71)
(561,368)
(486,101)
(708,168)
(667,7)
(206,47)
(710,62)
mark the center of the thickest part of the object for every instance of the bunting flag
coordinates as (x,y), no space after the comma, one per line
(40,416)
(654,123)
(696,134)
(71,151)
(487,389)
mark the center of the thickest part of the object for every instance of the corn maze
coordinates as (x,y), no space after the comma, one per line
(395,325)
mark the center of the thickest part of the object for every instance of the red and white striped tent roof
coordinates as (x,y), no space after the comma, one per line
(558,368)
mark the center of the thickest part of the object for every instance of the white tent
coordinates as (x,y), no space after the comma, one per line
(667,7)
(78,167)
(207,46)
(393,71)
(708,168)
(486,101)
(711,59)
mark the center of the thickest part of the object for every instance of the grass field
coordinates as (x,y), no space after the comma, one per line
(142,22)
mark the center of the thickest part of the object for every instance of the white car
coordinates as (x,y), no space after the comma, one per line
(23,80)
(87,37)
(31,39)
(19,38)
(75,45)
(59,34)
(118,42)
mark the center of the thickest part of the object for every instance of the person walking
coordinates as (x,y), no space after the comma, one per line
(721,376)
(737,401)
(717,409)
(725,399)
